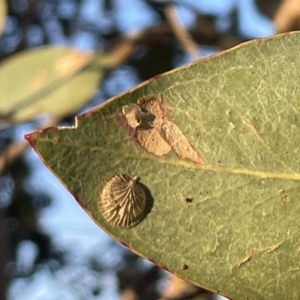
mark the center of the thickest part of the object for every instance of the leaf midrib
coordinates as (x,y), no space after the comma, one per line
(183,163)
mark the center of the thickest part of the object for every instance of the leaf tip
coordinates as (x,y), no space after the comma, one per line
(30,138)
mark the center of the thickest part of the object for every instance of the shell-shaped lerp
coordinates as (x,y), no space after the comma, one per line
(122,201)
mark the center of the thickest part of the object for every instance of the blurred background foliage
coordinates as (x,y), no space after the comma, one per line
(49,247)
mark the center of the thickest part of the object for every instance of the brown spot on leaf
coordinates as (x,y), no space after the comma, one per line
(136,117)
(152,141)
(140,101)
(179,142)
(149,137)
(183,267)
(188,200)
(155,106)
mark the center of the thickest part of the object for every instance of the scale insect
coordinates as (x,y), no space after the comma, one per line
(122,201)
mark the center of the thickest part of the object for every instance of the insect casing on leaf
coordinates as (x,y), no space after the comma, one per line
(122,201)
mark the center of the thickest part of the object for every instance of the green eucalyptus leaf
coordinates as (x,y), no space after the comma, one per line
(56,81)
(223,184)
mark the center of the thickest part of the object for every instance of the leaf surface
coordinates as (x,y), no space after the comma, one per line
(226,204)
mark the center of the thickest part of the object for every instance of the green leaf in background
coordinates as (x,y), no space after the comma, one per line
(55,81)
(2,14)
(227,217)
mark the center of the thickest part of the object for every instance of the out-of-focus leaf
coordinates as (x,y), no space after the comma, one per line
(2,14)
(56,81)
(227,219)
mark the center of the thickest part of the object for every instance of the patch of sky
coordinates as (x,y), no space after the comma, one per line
(133,16)
(253,24)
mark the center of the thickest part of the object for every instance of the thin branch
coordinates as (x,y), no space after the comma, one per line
(181,34)
(10,153)
(179,289)
(15,150)
(125,48)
